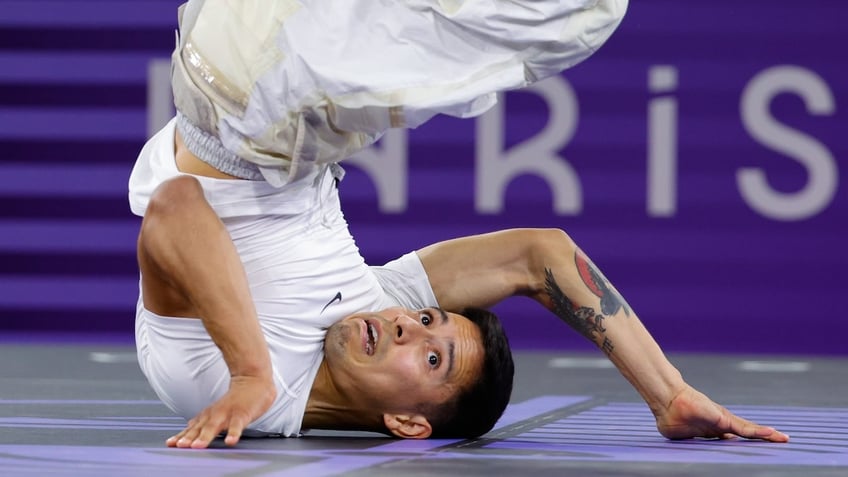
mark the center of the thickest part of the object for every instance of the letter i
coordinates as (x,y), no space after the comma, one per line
(662,142)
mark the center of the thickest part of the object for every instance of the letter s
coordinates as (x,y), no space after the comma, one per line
(814,156)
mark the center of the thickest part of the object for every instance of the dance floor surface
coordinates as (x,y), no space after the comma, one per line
(84,409)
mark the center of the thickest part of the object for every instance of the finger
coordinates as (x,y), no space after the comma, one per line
(172,441)
(191,433)
(751,430)
(234,432)
(770,434)
(208,433)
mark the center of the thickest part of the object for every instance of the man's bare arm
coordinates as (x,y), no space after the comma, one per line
(190,268)
(547,266)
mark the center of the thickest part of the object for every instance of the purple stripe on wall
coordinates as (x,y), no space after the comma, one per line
(60,293)
(72,123)
(74,39)
(809,18)
(120,236)
(63,208)
(77,68)
(68,235)
(49,153)
(73,95)
(89,14)
(71,180)
(95,264)
(78,325)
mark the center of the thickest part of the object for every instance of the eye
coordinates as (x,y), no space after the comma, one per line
(433,359)
(426,319)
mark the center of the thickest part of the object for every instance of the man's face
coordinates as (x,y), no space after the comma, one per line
(397,359)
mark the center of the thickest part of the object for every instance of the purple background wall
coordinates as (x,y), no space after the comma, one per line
(699,92)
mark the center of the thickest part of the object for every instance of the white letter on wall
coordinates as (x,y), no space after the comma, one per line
(495,168)
(387,168)
(662,143)
(814,156)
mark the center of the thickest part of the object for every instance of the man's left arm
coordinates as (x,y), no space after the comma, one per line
(546,265)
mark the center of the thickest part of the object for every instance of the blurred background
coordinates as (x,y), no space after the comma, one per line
(698,158)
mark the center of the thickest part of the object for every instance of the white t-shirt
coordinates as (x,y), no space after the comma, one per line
(304,271)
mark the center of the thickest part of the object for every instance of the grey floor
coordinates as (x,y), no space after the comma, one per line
(86,410)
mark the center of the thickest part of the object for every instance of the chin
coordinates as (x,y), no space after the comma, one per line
(337,338)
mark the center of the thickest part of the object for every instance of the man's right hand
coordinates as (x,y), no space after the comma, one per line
(246,400)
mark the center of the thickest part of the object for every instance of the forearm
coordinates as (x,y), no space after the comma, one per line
(571,286)
(546,265)
(186,252)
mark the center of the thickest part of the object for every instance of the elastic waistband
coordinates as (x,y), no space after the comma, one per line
(209,149)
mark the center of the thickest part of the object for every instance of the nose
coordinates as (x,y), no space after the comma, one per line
(407,328)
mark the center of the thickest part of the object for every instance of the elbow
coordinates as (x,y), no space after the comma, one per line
(552,242)
(548,247)
(173,196)
(170,208)
(171,204)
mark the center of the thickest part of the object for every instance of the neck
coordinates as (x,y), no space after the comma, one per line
(329,408)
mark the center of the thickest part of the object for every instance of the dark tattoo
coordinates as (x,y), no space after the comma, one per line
(611,300)
(583,319)
(607,346)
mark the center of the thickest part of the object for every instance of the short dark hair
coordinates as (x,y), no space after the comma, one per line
(475,410)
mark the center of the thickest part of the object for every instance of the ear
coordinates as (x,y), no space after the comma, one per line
(408,427)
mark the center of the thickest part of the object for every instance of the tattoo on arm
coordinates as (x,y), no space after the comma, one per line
(583,319)
(611,300)
(607,346)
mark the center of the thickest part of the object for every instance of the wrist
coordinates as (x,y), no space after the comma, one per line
(663,398)
(259,370)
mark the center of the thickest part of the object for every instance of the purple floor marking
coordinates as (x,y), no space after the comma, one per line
(93,461)
(608,433)
(513,414)
(84,402)
(605,433)
(96,423)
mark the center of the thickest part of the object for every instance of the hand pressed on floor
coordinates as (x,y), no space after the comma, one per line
(692,414)
(246,400)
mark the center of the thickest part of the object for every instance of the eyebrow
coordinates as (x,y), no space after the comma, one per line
(451,359)
(442,314)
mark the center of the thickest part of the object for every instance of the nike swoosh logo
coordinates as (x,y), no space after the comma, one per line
(337,298)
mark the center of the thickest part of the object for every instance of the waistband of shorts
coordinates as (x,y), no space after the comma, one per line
(209,149)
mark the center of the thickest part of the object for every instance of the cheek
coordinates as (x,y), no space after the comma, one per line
(404,367)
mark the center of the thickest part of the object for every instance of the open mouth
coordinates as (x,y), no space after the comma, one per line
(371,336)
